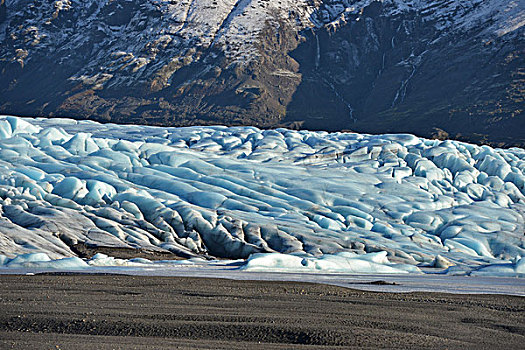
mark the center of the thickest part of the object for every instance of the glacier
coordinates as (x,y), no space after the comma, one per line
(265,200)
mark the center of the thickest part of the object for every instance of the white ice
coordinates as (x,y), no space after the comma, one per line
(323,201)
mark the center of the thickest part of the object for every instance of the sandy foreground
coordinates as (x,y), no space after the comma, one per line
(136,312)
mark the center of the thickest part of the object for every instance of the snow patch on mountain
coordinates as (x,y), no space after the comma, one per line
(137,31)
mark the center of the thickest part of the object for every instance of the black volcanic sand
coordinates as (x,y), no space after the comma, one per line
(134,312)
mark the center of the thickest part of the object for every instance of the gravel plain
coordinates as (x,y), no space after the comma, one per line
(81,311)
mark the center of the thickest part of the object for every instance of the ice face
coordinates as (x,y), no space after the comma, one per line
(42,261)
(344,262)
(303,198)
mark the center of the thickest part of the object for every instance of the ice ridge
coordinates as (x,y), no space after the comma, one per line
(319,199)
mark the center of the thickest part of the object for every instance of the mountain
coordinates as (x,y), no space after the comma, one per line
(436,68)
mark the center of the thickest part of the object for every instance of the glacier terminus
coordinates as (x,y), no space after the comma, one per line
(268,200)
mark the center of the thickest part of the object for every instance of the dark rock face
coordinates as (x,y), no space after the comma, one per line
(3,11)
(383,68)
(399,74)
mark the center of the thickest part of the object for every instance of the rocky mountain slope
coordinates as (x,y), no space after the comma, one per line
(430,67)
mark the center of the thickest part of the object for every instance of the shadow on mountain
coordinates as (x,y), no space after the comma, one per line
(379,74)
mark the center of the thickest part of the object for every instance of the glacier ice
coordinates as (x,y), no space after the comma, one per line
(344,262)
(42,261)
(282,199)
